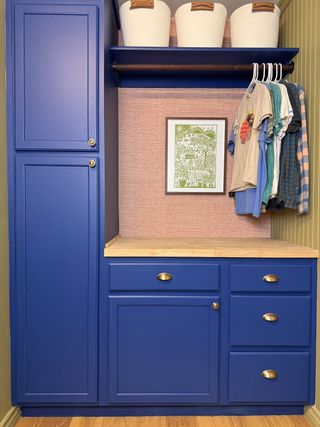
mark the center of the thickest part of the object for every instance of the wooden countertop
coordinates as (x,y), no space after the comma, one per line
(206,248)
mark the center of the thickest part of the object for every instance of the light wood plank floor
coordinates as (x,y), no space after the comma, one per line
(274,421)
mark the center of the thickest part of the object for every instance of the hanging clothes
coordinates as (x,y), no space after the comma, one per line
(289,177)
(303,157)
(285,115)
(255,106)
(249,201)
(269,143)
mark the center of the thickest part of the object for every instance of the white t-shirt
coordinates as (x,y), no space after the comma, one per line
(253,109)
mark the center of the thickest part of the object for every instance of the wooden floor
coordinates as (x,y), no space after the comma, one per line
(274,421)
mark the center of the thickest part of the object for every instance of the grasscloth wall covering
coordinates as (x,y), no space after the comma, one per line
(300,28)
(5,401)
(145,209)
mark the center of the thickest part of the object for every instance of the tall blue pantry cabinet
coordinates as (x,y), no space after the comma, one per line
(59,100)
(137,331)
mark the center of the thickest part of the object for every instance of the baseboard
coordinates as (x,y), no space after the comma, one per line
(11,418)
(313,415)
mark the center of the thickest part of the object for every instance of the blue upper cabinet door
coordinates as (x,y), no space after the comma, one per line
(163,350)
(55,77)
(55,345)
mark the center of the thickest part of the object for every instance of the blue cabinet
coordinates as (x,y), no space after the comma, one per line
(164,350)
(56,284)
(55,79)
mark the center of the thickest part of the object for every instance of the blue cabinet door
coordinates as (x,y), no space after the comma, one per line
(163,350)
(55,304)
(55,56)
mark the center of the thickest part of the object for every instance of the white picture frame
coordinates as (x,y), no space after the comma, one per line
(196,152)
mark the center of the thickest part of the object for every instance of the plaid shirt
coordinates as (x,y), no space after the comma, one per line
(303,157)
(289,179)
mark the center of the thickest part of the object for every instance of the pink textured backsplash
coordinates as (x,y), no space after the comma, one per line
(145,209)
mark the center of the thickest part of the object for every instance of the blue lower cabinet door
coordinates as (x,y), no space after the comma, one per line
(55,347)
(263,377)
(163,350)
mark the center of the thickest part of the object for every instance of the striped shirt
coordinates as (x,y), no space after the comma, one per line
(303,157)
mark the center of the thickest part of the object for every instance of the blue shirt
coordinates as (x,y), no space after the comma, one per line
(250,201)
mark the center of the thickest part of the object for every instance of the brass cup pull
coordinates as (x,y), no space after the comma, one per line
(270,317)
(164,277)
(92,142)
(92,163)
(271,278)
(270,374)
(215,306)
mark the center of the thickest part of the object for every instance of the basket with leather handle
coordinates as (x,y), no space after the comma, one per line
(255,25)
(200,24)
(145,23)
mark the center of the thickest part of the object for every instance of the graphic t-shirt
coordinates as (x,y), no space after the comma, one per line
(253,109)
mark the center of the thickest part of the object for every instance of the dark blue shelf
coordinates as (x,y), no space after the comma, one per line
(128,58)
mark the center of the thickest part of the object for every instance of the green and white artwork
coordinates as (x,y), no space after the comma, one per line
(195,155)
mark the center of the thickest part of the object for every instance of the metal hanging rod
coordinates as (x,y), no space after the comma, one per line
(287,68)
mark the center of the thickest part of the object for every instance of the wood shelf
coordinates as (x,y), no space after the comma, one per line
(206,248)
(193,67)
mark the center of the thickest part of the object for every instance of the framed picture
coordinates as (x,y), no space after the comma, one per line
(196,156)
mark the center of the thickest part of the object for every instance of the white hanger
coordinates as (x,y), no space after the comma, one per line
(275,80)
(281,69)
(264,72)
(254,76)
(270,72)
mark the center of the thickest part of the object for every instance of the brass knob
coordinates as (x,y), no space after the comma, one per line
(92,142)
(269,374)
(270,317)
(92,163)
(271,278)
(164,277)
(216,306)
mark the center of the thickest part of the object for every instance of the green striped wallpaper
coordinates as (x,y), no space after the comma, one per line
(300,27)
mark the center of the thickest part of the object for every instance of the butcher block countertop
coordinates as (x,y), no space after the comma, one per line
(206,248)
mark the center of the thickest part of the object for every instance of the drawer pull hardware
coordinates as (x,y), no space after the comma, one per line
(216,306)
(271,278)
(164,277)
(270,317)
(92,163)
(269,374)
(92,142)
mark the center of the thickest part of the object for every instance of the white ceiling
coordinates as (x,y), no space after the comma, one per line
(231,5)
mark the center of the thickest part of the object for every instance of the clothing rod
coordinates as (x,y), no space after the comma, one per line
(286,68)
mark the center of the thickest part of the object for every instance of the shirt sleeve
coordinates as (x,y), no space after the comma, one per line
(231,141)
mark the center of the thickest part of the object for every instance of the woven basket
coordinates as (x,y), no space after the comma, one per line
(145,23)
(255,25)
(200,24)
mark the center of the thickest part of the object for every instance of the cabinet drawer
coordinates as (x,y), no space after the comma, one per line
(270,278)
(247,384)
(179,276)
(264,320)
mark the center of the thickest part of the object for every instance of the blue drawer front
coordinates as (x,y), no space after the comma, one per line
(246,384)
(247,326)
(249,278)
(143,276)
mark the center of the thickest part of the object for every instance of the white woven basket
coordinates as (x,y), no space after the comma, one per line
(200,28)
(254,29)
(143,26)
